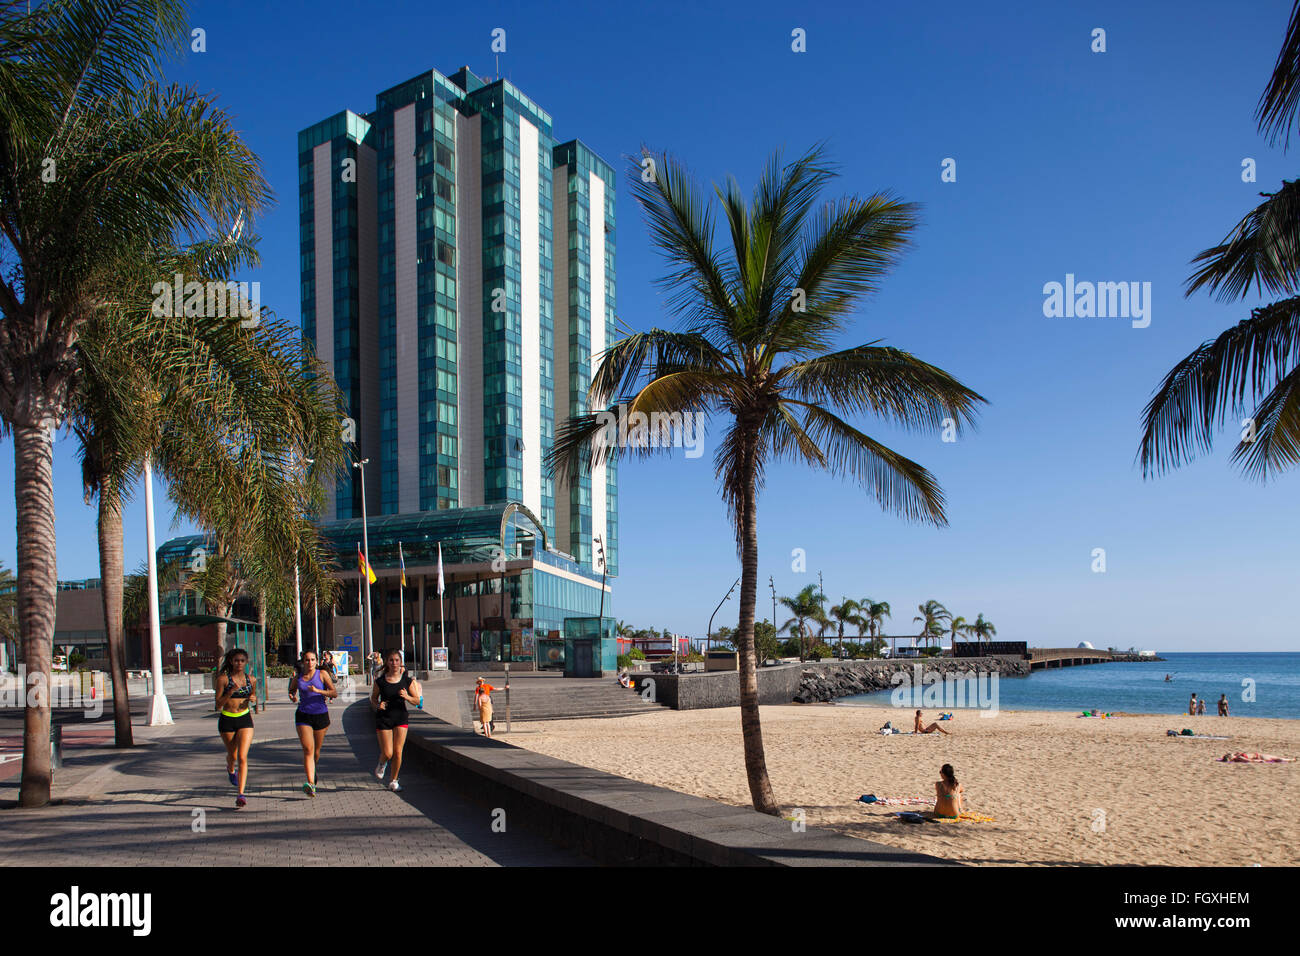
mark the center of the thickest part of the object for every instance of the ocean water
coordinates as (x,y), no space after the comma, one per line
(1272,680)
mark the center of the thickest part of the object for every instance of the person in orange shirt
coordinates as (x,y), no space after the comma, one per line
(483,704)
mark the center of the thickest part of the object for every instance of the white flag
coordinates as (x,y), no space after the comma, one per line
(440,585)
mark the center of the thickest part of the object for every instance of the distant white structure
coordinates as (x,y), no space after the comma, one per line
(1146,653)
(1087,645)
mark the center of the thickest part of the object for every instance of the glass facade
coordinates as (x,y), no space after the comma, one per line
(342,133)
(515,394)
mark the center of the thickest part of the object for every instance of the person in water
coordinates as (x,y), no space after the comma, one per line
(236,698)
(918,726)
(1200,707)
(393,689)
(312,718)
(947,794)
(1191,706)
(1223,705)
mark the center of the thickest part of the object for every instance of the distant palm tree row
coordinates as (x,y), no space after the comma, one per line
(867,615)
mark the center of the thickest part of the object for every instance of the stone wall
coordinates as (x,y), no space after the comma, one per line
(832,679)
(700,691)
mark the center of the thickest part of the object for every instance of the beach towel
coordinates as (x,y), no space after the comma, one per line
(1174,733)
(971,817)
(1245,757)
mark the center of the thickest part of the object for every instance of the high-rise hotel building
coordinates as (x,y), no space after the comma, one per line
(458,279)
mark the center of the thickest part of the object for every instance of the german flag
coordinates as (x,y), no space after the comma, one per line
(365,568)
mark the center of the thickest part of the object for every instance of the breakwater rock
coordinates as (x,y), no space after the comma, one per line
(826,681)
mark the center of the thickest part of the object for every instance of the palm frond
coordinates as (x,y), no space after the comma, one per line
(1214,381)
(1262,250)
(1277,107)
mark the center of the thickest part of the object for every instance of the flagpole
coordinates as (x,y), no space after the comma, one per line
(401,601)
(442,620)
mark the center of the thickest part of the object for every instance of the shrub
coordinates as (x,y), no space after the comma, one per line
(931,651)
(635,654)
(279,670)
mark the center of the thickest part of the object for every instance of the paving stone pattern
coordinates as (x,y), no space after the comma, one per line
(144,806)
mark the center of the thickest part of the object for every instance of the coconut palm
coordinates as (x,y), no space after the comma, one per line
(1251,372)
(96,161)
(805,606)
(957,627)
(846,612)
(756,347)
(983,630)
(875,613)
(932,617)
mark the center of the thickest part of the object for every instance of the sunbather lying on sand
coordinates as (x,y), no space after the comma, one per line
(1242,756)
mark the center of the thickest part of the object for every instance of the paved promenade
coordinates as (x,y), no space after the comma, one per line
(168,802)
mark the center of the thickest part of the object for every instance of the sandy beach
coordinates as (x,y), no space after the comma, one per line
(1063,790)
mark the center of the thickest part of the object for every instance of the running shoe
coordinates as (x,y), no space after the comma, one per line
(234,778)
(381,769)
(240,801)
(309,788)
(395,787)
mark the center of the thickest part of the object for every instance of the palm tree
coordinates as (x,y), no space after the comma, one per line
(932,618)
(805,606)
(755,347)
(846,612)
(96,161)
(983,630)
(153,386)
(876,612)
(1252,369)
(957,627)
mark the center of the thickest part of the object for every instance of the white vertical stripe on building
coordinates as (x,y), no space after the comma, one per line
(596,223)
(469,310)
(530,317)
(367,327)
(322,171)
(408,330)
(560,272)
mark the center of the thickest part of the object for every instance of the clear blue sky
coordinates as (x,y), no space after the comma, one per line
(1115,166)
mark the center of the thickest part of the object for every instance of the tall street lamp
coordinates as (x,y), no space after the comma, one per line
(369,625)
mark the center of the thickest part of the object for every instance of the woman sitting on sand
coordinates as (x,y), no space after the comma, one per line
(917,726)
(947,794)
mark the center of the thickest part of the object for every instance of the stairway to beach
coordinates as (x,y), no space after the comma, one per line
(561,698)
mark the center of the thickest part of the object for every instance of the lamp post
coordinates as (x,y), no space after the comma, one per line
(772,585)
(297,595)
(369,627)
(709,632)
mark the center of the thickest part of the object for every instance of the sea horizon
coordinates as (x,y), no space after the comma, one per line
(1254,687)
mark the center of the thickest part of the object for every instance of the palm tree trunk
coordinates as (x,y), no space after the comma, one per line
(760,787)
(111,578)
(37,594)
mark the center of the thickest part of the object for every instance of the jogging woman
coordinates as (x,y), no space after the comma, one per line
(393,689)
(236,698)
(312,717)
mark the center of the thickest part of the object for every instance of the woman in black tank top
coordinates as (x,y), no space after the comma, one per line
(392,690)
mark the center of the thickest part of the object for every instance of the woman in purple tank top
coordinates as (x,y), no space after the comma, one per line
(312,718)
